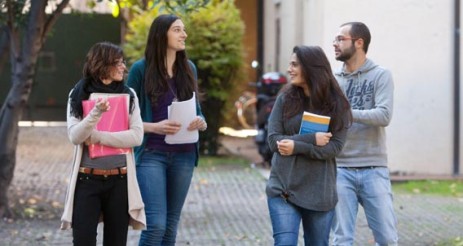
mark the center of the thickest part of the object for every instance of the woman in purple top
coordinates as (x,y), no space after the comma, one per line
(164,171)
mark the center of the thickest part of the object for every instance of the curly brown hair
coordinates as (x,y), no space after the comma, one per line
(101,57)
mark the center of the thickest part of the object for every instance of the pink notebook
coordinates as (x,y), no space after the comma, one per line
(114,120)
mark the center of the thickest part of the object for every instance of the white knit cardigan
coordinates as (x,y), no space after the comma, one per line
(81,129)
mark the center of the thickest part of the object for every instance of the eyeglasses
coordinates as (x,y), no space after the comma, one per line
(340,39)
(119,63)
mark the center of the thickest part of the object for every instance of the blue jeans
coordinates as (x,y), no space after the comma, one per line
(371,187)
(286,218)
(164,179)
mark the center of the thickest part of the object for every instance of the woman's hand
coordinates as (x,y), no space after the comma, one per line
(197,124)
(322,138)
(285,147)
(102,104)
(167,127)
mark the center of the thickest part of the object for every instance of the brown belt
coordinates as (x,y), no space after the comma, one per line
(105,172)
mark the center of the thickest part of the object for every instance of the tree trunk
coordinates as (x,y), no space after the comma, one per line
(10,114)
(3,47)
(210,138)
(24,53)
(8,138)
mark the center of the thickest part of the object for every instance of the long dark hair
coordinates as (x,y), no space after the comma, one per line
(98,64)
(156,71)
(325,95)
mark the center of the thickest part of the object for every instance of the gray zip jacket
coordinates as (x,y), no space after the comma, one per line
(370,92)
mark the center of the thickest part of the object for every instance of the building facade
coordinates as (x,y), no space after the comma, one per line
(416,40)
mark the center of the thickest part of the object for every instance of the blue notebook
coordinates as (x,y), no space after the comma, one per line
(312,123)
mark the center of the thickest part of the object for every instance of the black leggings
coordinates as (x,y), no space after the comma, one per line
(95,196)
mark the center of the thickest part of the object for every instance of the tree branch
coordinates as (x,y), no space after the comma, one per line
(9,8)
(53,17)
(32,43)
(4,41)
(12,31)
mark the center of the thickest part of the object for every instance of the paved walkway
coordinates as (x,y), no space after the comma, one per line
(226,204)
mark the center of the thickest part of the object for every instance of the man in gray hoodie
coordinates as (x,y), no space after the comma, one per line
(362,173)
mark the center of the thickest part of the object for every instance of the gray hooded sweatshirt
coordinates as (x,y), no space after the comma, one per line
(370,92)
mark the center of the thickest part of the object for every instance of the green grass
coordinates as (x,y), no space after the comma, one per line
(451,188)
(452,242)
(212,161)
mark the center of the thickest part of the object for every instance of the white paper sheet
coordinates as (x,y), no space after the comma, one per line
(183,112)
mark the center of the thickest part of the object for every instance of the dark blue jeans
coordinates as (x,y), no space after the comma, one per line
(96,195)
(164,180)
(286,219)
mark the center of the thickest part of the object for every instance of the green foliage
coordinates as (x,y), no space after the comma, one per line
(135,40)
(182,7)
(17,9)
(436,187)
(215,44)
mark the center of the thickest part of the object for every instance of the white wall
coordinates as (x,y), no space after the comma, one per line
(292,28)
(461,93)
(270,14)
(414,39)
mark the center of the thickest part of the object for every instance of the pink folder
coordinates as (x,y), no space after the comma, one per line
(114,120)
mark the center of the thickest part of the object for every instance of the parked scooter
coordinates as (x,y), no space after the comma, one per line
(267,89)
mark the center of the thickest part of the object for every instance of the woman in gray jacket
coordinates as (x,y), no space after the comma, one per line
(302,183)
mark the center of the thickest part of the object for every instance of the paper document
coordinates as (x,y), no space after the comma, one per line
(183,112)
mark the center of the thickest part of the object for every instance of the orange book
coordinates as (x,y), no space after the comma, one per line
(114,120)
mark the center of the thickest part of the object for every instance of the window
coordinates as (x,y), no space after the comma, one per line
(46,61)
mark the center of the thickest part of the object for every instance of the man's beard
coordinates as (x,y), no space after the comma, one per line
(346,55)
